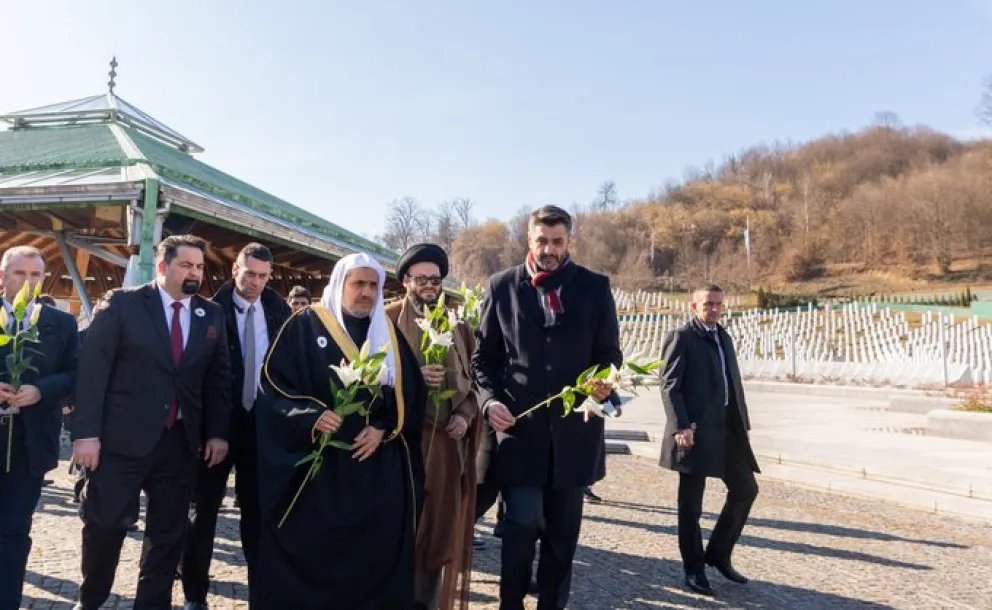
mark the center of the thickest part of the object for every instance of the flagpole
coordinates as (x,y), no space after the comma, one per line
(747,247)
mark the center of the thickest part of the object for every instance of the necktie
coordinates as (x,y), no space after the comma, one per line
(177,354)
(248,389)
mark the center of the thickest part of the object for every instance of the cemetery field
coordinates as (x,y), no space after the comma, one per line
(855,343)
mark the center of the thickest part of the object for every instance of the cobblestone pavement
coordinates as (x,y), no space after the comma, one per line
(802,549)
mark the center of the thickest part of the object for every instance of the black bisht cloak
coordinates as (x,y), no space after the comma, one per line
(348,543)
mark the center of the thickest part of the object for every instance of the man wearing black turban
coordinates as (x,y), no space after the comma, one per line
(450,436)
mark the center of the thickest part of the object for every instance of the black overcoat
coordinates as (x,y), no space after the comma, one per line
(692,391)
(520,362)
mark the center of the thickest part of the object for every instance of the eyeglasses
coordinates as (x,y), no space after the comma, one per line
(423,280)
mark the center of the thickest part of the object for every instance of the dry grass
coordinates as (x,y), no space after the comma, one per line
(976,400)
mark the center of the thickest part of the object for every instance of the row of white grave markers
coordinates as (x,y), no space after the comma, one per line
(860,341)
(641,301)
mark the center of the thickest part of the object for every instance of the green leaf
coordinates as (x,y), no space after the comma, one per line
(4,340)
(348,408)
(569,402)
(601,375)
(311,457)
(587,374)
(339,445)
(444,395)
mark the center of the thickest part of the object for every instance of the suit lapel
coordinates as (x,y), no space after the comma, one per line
(156,313)
(197,327)
(530,299)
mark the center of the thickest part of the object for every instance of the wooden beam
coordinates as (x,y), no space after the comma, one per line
(83,264)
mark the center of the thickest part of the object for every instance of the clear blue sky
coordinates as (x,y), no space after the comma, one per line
(340,107)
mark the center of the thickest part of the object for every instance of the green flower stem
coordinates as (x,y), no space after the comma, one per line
(10,440)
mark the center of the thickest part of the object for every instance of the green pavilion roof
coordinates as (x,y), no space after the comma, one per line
(86,139)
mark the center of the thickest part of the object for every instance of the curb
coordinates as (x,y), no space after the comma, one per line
(960,424)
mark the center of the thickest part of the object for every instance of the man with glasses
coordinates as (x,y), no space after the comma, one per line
(450,437)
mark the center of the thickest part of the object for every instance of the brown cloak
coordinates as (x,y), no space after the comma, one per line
(447,524)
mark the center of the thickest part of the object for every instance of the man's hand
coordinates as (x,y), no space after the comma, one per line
(366,443)
(86,453)
(214,451)
(27,396)
(6,392)
(685,438)
(457,427)
(499,416)
(433,375)
(329,422)
(601,391)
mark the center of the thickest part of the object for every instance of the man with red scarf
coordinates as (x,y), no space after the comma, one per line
(542,324)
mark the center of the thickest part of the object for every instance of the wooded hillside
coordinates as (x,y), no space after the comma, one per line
(906,201)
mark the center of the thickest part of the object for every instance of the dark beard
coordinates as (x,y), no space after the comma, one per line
(190,287)
(419,302)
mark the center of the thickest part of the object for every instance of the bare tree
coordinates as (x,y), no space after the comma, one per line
(446,227)
(606,196)
(463,211)
(404,223)
(887,118)
(985,107)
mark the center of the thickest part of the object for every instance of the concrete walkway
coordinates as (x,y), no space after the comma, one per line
(852,444)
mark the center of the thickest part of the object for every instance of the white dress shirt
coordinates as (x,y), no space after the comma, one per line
(261,332)
(184,319)
(184,313)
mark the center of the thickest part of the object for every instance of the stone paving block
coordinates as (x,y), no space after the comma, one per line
(803,549)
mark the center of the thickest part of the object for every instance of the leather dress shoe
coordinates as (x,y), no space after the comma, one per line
(698,583)
(728,571)
(196,606)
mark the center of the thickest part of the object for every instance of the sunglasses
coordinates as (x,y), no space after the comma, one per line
(424,280)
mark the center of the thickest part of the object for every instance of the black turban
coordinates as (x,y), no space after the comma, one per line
(422,253)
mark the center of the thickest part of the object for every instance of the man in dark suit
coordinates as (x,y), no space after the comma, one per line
(706,436)
(154,381)
(542,324)
(29,437)
(254,314)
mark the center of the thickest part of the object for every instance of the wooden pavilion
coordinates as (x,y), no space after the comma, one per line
(96,183)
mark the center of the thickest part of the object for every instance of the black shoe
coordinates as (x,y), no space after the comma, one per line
(728,571)
(698,583)
(591,496)
(478,543)
(196,606)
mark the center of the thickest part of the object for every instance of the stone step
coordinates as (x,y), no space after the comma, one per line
(638,436)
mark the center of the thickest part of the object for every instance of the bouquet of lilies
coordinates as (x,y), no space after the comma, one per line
(366,372)
(17,363)
(438,325)
(631,376)
(471,307)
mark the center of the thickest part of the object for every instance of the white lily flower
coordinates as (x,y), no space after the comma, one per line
(441,339)
(35,314)
(423,324)
(452,318)
(590,408)
(380,377)
(346,373)
(363,354)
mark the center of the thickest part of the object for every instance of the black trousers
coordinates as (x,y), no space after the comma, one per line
(211,487)
(167,475)
(19,494)
(486,495)
(554,516)
(742,489)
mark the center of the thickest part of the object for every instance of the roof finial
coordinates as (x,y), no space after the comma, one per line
(113,75)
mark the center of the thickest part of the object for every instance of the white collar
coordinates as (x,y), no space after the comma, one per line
(167,299)
(242,304)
